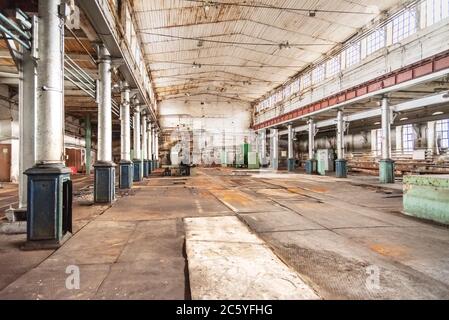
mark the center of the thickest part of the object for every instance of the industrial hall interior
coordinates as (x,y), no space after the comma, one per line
(224,150)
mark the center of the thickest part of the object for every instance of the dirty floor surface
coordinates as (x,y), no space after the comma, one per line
(344,240)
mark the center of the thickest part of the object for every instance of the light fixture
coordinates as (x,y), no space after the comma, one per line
(312,13)
(403,119)
(200,43)
(376,123)
(437,113)
(285,45)
(196,65)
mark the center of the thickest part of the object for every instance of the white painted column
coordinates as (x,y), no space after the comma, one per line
(263,146)
(50,85)
(290,141)
(157,145)
(144,138)
(136,147)
(149,140)
(340,135)
(274,148)
(386,129)
(125,125)
(104,106)
(311,139)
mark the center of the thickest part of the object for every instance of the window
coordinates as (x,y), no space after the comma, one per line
(442,132)
(408,137)
(404,25)
(333,66)
(287,91)
(280,96)
(273,100)
(306,80)
(434,11)
(318,74)
(295,86)
(353,54)
(375,41)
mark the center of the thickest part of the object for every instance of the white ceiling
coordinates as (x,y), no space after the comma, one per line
(236,69)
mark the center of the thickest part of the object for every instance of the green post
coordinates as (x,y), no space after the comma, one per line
(88,136)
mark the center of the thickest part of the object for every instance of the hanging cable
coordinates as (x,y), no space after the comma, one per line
(310,12)
(281,45)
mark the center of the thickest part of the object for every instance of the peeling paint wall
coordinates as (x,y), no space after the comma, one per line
(212,129)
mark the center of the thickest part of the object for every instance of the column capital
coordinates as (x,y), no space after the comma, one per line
(103,53)
(124,86)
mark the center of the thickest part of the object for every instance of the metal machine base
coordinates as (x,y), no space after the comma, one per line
(104,182)
(341,170)
(291,165)
(311,166)
(146,169)
(49,205)
(138,170)
(427,197)
(126,174)
(386,171)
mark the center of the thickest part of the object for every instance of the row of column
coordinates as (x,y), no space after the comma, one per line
(145,145)
(47,196)
(386,164)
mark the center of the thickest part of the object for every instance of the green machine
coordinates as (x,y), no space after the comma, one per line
(246,158)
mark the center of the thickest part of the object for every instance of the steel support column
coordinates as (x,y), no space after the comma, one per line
(386,164)
(149,148)
(126,165)
(263,147)
(291,157)
(49,202)
(340,163)
(88,141)
(156,153)
(104,168)
(274,149)
(138,164)
(145,146)
(311,164)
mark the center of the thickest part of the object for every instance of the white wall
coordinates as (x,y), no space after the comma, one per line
(209,127)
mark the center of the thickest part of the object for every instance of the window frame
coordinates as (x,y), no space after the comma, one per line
(408,138)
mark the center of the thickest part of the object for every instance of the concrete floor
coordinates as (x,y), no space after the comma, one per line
(332,232)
